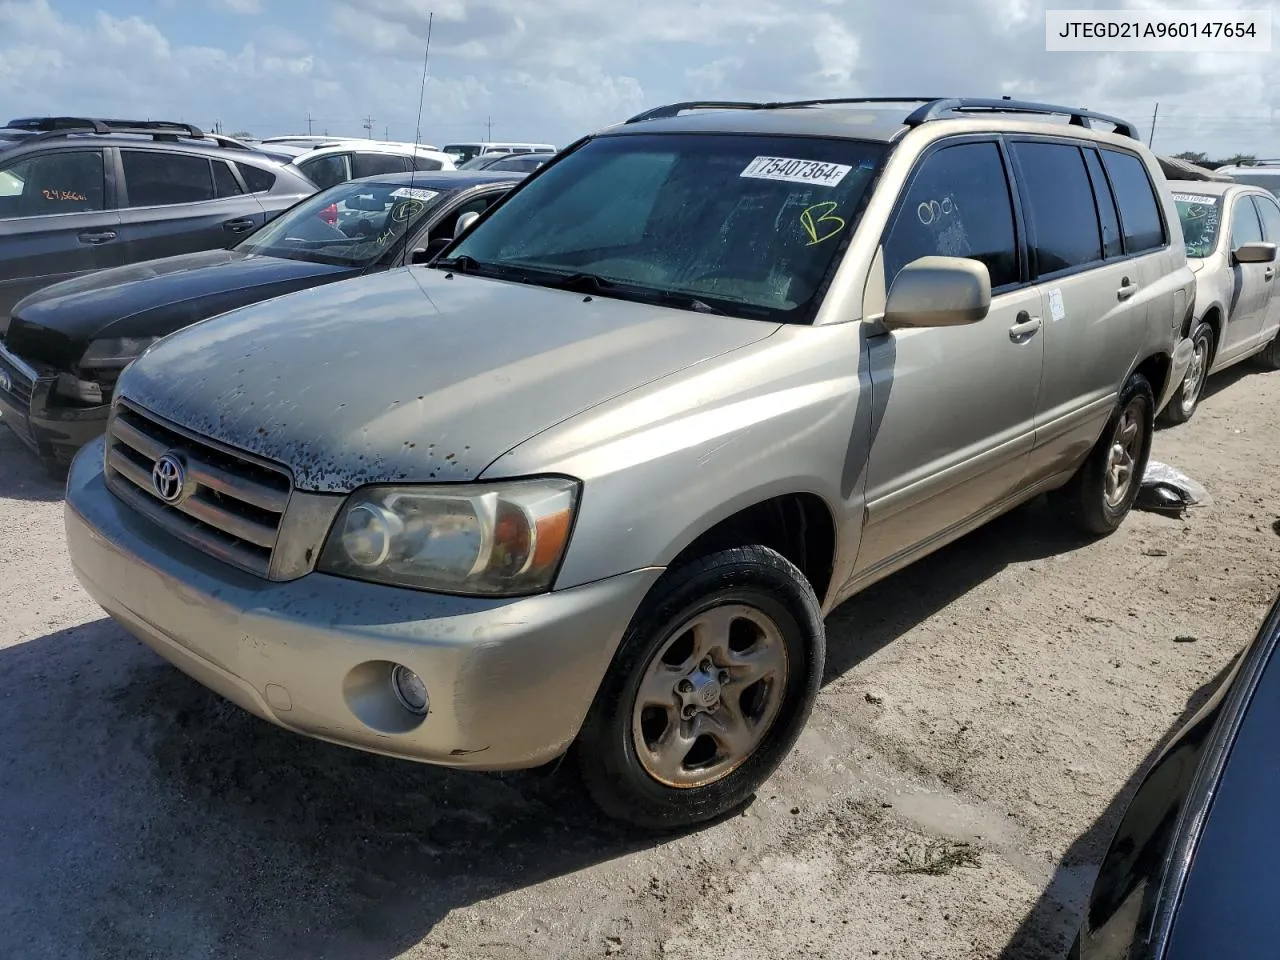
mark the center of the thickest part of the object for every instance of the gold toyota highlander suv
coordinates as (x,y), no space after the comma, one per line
(590,480)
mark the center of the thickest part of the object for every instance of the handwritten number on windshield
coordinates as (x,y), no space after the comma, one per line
(819,223)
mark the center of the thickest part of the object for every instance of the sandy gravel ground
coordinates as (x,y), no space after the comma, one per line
(985,716)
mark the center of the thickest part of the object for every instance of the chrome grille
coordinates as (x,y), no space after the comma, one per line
(232,504)
(21,379)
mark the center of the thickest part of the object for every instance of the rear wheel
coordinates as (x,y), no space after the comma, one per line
(1184,402)
(1100,495)
(712,684)
(1270,355)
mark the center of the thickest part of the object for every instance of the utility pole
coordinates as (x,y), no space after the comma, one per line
(489,136)
(386,133)
(368,125)
(308,123)
(1154,114)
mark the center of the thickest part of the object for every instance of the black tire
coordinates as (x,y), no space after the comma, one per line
(1183,405)
(1083,501)
(1269,357)
(605,750)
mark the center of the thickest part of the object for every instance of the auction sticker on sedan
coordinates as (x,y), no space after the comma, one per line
(796,171)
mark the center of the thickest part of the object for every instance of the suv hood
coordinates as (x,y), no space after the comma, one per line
(154,298)
(414,374)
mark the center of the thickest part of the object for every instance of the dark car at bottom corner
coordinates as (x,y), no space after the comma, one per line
(67,344)
(1193,871)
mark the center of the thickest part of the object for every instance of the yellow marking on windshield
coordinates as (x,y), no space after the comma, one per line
(813,226)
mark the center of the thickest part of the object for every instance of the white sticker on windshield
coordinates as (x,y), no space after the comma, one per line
(1195,198)
(416,193)
(796,171)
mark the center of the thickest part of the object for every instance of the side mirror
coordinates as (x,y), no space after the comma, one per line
(1255,253)
(938,292)
(464,221)
(430,251)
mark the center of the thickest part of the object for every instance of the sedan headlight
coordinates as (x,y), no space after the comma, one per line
(114,353)
(495,539)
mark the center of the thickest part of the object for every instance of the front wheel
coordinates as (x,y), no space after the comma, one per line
(1184,402)
(1102,492)
(712,684)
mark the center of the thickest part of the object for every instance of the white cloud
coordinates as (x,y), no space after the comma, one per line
(556,69)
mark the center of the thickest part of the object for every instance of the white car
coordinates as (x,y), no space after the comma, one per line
(462,152)
(1231,231)
(345,160)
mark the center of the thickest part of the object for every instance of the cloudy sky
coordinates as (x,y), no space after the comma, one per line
(554,69)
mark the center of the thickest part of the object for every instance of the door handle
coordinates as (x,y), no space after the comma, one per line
(1271,272)
(239,225)
(1025,327)
(97,236)
(1127,289)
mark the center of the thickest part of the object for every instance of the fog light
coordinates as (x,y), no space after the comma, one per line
(409,690)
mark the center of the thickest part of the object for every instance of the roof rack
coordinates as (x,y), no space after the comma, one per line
(1259,162)
(43,128)
(931,108)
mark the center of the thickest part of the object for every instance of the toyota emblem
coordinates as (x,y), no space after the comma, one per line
(169,478)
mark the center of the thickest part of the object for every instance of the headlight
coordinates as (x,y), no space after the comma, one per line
(114,352)
(494,539)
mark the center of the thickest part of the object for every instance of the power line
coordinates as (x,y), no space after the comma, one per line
(368,125)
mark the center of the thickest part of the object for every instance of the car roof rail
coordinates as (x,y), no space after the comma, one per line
(953,107)
(931,108)
(1257,162)
(51,127)
(675,109)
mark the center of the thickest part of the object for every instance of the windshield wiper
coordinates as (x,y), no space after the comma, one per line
(594,283)
(462,264)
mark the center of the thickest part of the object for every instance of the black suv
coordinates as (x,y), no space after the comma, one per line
(78,195)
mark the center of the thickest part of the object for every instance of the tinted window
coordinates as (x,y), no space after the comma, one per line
(63,182)
(1059,204)
(426,163)
(257,179)
(162,179)
(957,205)
(1245,227)
(1270,218)
(224,181)
(748,225)
(1139,209)
(374,164)
(1108,216)
(327,171)
(524,164)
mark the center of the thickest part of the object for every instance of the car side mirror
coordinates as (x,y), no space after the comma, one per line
(938,292)
(430,251)
(464,221)
(1255,252)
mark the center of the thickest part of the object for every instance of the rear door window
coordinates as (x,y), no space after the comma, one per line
(156,179)
(1139,208)
(958,205)
(426,163)
(224,180)
(65,181)
(375,164)
(1060,205)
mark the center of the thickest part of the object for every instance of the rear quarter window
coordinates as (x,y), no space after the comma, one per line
(1136,197)
(257,179)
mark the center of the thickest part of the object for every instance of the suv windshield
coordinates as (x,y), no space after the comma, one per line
(1199,214)
(743,225)
(351,224)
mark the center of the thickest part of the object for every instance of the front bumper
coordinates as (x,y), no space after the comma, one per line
(51,431)
(510,681)
(1178,370)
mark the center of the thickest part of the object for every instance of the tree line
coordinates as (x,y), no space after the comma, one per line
(1202,159)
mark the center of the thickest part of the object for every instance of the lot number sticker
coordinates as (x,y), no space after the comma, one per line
(416,193)
(1195,198)
(796,171)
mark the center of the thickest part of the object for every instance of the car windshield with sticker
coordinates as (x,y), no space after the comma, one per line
(749,226)
(351,224)
(1199,216)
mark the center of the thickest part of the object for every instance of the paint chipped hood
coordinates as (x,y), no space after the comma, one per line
(413,374)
